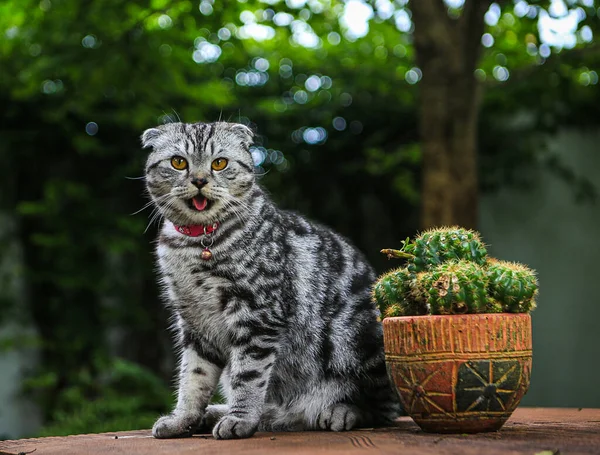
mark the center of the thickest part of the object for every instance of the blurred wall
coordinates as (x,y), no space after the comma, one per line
(547,230)
(18,417)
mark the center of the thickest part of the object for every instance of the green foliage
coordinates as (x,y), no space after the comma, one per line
(449,273)
(126,397)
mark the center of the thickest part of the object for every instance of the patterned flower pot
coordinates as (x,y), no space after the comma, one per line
(459,373)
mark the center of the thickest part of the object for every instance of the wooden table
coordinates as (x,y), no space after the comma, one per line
(530,431)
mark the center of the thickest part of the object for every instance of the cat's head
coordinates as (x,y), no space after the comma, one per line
(199,173)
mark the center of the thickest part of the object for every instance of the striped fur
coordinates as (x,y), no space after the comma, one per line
(281,314)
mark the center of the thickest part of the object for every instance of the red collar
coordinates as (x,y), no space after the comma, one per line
(196,230)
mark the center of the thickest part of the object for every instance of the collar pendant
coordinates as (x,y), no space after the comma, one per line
(200,230)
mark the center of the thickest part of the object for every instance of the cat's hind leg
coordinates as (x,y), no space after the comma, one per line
(339,417)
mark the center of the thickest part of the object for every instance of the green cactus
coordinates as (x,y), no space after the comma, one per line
(448,272)
(439,245)
(512,285)
(454,287)
(390,293)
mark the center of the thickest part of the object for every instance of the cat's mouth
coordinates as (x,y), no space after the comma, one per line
(199,203)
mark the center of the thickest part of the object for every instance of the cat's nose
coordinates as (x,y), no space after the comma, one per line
(199,182)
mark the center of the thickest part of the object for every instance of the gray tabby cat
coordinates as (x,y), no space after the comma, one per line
(275,307)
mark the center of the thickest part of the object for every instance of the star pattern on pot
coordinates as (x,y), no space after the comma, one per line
(418,394)
(487,393)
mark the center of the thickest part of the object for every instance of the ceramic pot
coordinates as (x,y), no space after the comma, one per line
(459,373)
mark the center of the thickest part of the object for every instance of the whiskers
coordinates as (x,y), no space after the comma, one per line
(236,206)
(183,192)
(149,203)
(165,202)
(260,174)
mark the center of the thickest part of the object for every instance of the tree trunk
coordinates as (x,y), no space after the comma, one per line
(447,51)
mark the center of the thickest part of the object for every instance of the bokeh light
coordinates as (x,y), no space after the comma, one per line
(500,73)
(301,97)
(521,8)
(487,40)
(326,82)
(45,5)
(205,52)
(413,75)
(261,64)
(50,87)
(91,128)
(339,123)
(334,38)
(165,21)
(251,78)
(303,34)
(313,83)
(259,32)
(206,7)
(35,50)
(586,34)
(355,19)
(356,127)
(345,99)
(283,19)
(399,51)
(89,42)
(402,20)
(314,136)
(492,16)
(165,50)
(258,155)
(385,9)
(224,34)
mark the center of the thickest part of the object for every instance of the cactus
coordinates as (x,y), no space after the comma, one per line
(390,293)
(448,272)
(454,287)
(439,245)
(512,285)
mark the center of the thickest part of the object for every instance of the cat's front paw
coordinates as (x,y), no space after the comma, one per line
(232,427)
(339,417)
(175,426)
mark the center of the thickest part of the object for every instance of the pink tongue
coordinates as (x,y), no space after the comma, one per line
(200,203)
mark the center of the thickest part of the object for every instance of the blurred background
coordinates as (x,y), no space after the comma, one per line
(378,118)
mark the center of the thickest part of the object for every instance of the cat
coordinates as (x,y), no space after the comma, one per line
(275,307)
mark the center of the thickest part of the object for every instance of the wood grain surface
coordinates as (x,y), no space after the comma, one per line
(529,431)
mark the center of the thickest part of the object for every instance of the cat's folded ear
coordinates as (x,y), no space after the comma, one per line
(151,135)
(243,132)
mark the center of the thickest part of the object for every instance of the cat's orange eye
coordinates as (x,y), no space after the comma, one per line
(179,163)
(219,164)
